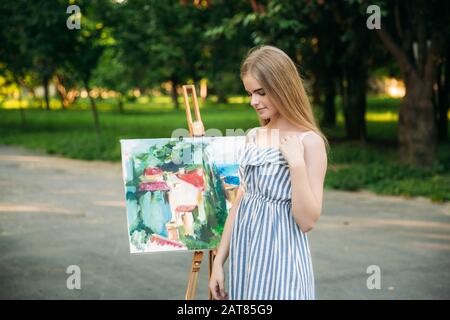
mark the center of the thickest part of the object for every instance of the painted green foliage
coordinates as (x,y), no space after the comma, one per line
(153,208)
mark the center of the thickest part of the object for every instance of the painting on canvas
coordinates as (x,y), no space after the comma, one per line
(179,191)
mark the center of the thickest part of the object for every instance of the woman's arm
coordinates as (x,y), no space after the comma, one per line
(307,178)
(217,278)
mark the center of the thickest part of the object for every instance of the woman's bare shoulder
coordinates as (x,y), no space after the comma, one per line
(313,139)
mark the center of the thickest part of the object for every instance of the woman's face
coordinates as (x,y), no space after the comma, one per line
(259,100)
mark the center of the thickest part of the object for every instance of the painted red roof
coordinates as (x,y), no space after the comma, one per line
(184,208)
(195,178)
(156,238)
(152,171)
(153,186)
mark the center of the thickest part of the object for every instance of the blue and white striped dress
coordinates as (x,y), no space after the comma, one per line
(269,254)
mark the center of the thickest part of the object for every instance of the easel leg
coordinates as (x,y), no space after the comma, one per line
(195,268)
(196,129)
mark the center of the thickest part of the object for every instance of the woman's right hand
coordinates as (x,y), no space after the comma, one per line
(216,283)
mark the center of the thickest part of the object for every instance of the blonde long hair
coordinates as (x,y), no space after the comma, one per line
(279,77)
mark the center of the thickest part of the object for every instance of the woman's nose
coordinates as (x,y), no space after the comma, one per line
(255,100)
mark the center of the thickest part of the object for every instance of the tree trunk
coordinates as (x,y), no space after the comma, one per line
(93,108)
(416,125)
(417,119)
(47,99)
(355,106)
(316,93)
(443,100)
(61,98)
(33,102)
(329,108)
(61,91)
(174,93)
(120,104)
(22,110)
(221,97)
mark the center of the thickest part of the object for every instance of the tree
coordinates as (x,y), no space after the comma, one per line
(46,37)
(15,56)
(88,47)
(112,74)
(324,40)
(227,40)
(162,41)
(85,58)
(35,39)
(414,33)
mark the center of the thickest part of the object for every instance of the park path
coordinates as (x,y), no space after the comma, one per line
(57,212)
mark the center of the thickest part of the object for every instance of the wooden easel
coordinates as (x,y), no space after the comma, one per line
(196,129)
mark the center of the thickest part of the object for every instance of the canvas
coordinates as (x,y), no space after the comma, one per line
(179,191)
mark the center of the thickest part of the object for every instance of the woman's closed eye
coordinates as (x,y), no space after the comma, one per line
(260,92)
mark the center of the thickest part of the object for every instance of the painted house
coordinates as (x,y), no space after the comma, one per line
(186,194)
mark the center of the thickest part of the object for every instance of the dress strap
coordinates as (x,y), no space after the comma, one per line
(251,135)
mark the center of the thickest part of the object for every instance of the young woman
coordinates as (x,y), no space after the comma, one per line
(282,171)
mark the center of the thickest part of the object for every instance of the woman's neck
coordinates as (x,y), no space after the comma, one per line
(280,123)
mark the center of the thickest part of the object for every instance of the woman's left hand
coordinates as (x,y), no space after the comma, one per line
(293,150)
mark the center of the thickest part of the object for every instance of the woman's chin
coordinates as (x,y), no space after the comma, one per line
(264,116)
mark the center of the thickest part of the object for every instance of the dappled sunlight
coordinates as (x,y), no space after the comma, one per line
(27,104)
(118,204)
(422,237)
(162,100)
(426,235)
(82,192)
(410,223)
(432,245)
(23,158)
(395,88)
(406,238)
(238,99)
(352,222)
(35,208)
(382,116)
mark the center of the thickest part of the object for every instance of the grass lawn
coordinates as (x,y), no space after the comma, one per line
(352,166)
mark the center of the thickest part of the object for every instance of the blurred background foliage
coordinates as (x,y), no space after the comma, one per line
(381,96)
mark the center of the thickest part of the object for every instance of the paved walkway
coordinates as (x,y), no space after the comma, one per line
(56,212)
